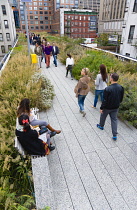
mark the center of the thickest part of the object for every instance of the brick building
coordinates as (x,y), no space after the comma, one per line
(76,23)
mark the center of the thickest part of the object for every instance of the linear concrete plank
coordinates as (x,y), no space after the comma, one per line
(121,181)
(88,170)
(42,183)
(110,190)
(129,171)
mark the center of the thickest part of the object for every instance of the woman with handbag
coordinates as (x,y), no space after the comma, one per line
(69,65)
(82,88)
(100,84)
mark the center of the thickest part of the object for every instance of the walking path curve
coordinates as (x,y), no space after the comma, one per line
(88,170)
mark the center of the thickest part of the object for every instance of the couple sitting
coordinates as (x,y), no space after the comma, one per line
(27,136)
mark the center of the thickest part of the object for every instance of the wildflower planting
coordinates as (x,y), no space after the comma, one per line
(19,79)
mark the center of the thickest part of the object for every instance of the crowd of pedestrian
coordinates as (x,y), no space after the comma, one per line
(111,96)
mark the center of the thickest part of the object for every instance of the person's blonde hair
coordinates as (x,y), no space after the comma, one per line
(86,71)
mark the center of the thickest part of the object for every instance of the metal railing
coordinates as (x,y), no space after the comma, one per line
(7,56)
(119,56)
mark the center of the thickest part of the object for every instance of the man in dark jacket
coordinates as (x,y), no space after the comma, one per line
(55,52)
(113,96)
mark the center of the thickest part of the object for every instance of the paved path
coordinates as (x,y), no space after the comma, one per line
(89,171)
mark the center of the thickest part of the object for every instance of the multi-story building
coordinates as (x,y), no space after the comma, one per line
(7,27)
(76,23)
(14,4)
(90,4)
(78,4)
(39,15)
(129,35)
(111,16)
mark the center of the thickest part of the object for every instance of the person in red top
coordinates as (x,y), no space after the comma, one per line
(48,53)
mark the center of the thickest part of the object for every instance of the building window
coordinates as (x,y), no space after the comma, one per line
(36,17)
(30,12)
(35,3)
(23,26)
(40,3)
(35,12)
(41,17)
(45,12)
(3,49)
(45,8)
(31,17)
(6,24)
(35,8)
(41,27)
(40,8)
(46,18)
(3,9)
(46,27)
(30,8)
(41,22)
(36,22)
(32,27)
(135,6)
(41,12)
(9,47)
(37,27)
(1,37)
(31,22)
(131,34)
(8,36)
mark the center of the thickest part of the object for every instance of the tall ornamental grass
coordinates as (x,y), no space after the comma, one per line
(18,80)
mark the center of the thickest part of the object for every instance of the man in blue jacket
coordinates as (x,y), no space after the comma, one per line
(113,96)
(55,52)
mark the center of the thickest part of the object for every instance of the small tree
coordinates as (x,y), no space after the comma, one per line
(102,40)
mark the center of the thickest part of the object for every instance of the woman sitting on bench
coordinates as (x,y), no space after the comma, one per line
(29,140)
(24,108)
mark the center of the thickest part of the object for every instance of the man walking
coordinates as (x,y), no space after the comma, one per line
(48,52)
(38,52)
(55,52)
(113,96)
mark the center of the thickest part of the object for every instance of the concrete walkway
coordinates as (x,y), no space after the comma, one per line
(89,171)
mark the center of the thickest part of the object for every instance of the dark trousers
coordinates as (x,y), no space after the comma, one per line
(113,116)
(69,68)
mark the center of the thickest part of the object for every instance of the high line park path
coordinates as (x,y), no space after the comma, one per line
(88,170)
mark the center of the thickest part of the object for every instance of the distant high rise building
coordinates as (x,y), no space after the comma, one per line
(66,4)
(7,27)
(14,4)
(39,15)
(111,16)
(90,4)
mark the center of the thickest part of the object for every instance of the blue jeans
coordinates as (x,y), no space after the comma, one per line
(55,59)
(81,99)
(97,93)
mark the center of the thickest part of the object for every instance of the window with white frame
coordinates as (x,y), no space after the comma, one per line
(8,36)
(1,37)
(3,49)
(135,6)
(6,24)
(3,9)
(131,33)
(35,8)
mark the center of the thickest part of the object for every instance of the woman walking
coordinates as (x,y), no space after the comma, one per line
(82,89)
(69,65)
(100,84)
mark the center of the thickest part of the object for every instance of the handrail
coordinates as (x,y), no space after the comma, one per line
(6,58)
(116,54)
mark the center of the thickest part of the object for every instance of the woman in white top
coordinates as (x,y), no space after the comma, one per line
(100,84)
(69,65)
